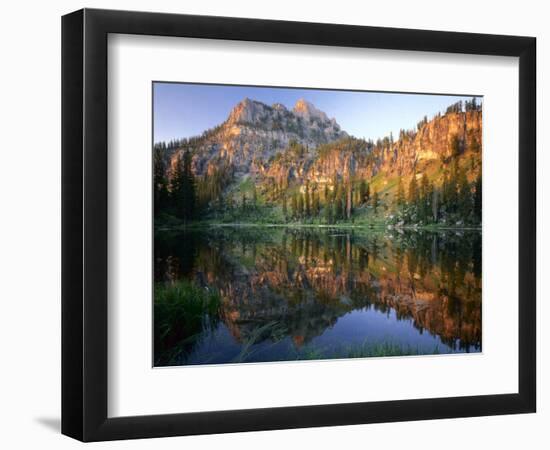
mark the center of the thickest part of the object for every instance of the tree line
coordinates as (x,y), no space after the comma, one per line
(175,195)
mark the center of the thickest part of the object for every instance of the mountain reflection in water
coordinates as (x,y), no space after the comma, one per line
(310,293)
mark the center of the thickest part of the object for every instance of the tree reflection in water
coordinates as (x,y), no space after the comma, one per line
(285,291)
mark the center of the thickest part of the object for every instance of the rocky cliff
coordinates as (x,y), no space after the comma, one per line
(255,132)
(280,148)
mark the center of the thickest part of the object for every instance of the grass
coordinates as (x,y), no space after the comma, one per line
(366,350)
(182,311)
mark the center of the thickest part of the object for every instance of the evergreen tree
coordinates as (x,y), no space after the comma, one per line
(315,203)
(189,192)
(159,180)
(477,199)
(284,206)
(455,146)
(326,195)
(424,198)
(413,191)
(349,197)
(300,209)
(328,212)
(182,188)
(294,205)
(375,200)
(307,202)
(465,196)
(339,208)
(400,196)
(362,191)
(435,205)
(254,196)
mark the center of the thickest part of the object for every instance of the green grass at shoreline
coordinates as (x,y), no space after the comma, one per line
(367,350)
(363,226)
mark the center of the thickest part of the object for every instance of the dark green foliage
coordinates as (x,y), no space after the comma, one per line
(454,108)
(472,105)
(294,206)
(307,201)
(375,200)
(183,188)
(160,182)
(339,208)
(455,146)
(182,310)
(413,191)
(477,199)
(400,196)
(300,209)
(315,205)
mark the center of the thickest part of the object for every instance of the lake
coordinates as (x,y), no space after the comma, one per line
(243,294)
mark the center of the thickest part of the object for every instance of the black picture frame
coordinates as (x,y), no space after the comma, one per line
(84,224)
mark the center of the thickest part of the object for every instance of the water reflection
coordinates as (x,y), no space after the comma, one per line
(308,293)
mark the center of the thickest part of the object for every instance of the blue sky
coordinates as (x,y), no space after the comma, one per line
(185,110)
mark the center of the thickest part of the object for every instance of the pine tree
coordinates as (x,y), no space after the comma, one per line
(375,200)
(307,202)
(349,201)
(254,196)
(363,192)
(189,186)
(284,206)
(327,194)
(300,210)
(328,212)
(400,197)
(424,198)
(435,205)
(477,199)
(413,191)
(159,180)
(294,205)
(315,203)
(339,209)
(182,188)
(455,146)
(465,196)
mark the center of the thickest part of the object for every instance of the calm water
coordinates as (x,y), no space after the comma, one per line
(290,294)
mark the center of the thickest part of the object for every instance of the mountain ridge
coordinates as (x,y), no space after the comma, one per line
(284,151)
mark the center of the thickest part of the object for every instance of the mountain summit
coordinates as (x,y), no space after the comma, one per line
(308,111)
(256,132)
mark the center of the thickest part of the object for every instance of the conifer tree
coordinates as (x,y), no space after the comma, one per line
(400,196)
(294,205)
(160,181)
(300,209)
(315,203)
(375,200)
(307,202)
(477,199)
(413,191)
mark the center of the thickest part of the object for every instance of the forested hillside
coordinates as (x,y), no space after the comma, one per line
(268,164)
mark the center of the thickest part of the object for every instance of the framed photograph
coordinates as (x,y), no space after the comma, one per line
(274,224)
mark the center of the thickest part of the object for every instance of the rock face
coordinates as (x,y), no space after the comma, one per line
(426,150)
(282,147)
(255,132)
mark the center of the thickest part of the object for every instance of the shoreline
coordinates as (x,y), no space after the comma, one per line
(376,227)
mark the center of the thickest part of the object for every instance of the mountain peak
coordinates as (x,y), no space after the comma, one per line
(307,110)
(246,111)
